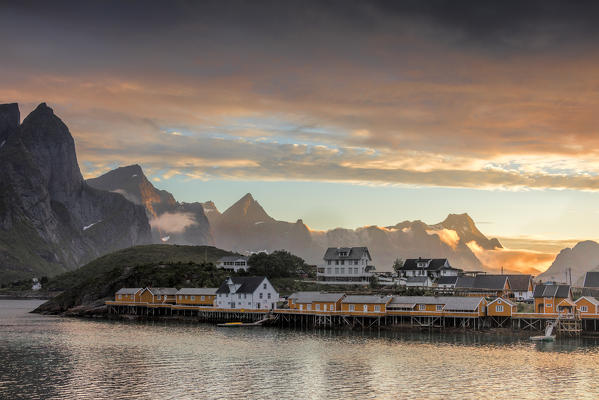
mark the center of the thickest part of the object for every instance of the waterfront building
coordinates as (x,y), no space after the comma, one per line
(501,307)
(365,304)
(196,296)
(522,286)
(547,297)
(130,295)
(252,292)
(438,305)
(346,265)
(233,263)
(315,301)
(158,295)
(485,285)
(587,305)
(433,268)
(591,280)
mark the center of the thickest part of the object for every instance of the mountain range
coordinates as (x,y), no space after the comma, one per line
(51,220)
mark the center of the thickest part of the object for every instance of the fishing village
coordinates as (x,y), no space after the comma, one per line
(458,300)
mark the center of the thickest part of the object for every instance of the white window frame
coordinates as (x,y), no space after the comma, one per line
(584,308)
(421,307)
(498,308)
(439,307)
(352,307)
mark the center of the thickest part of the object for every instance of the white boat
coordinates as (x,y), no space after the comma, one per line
(548,337)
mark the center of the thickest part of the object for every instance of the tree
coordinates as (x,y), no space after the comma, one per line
(397,265)
(279,264)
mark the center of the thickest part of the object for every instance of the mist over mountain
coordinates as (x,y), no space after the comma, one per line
(50,219)
(583,257)
(171,221)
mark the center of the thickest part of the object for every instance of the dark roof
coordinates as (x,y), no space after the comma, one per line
(433,264)
(590,292)
(417,279)
(197,291)
(464,282)
(163,290)
(353,253)
(128,290)
(232,258)
(492,282)
(520,282)
(591,280)
(551,291)
(248,284)
(447,280)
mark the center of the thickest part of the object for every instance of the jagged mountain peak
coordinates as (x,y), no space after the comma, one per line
(10,117)
(246,210)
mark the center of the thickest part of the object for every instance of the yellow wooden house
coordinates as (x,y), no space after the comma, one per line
(365,304)
(501,307)
(587,306)
(316,301)
(548,297)
(438,305)
(196,296)
(154,295)
(128,295)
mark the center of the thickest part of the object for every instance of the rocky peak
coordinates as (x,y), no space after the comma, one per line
(246,210)
(9,119)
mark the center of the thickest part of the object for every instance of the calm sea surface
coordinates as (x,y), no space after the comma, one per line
(44,357)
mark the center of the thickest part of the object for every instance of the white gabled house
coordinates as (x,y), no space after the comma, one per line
(346,265)
(233,263)
(252,292)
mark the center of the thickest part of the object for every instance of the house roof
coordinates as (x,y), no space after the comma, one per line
(508,302)
(433,264)
(591,280)
(450,303)
(367,299)
(353,253)
(464,282)
(163,290)
(566,302)
(489,282)
(297,295)
(309,297)
(417,279)
(232,258)
(551,291)
(126,290)
(590,292)
(197,291)
(590,299)
(447,280)
(248,284)
(519,282)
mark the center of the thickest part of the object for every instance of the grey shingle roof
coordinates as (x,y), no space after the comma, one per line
(309,297)
(591,280)
(197,291)
(447,280)
(353,253)
(489,282)
(163,290)
(128,290)
(433,264)
(519,282)
(464,282)
(297,295)
(366,299)
(450,303)
(551,291)
(248,284)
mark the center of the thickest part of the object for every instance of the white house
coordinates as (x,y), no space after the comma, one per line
(346,265)
(252,292)
(233,263)
(434,268)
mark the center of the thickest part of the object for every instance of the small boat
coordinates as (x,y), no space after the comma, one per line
(550,338)
(238,324)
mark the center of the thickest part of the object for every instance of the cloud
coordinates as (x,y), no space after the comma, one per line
(173,222)
(513,261)
(447,236)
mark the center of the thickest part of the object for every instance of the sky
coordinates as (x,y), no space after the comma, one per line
(341,113)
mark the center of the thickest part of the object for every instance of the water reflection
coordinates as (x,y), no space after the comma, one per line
(50,357)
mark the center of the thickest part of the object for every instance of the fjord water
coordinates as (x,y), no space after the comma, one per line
(47,357)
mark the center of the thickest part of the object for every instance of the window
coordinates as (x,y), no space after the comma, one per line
(342,271)
(422,307)
(336,262)
(264,286)
(317,307)
(548,305)
(355,270)
(355,262)
(328,262)
(239,295)
(325,307)
(309,307)
(332,307)
(584,309)
(439,307)
(268,296)
(499,308)
(192,298)
(336,270)
(351,307)
(498,301)
(377,308)
(328,270)
(244,295)
(261,296)
(119,297)
(204,297)
(180,297)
